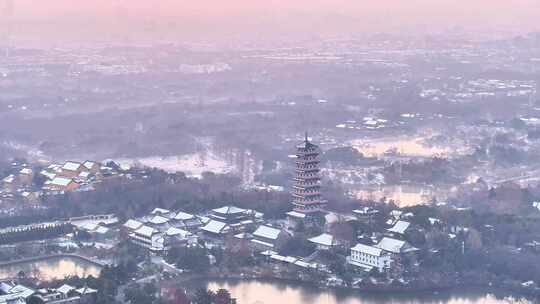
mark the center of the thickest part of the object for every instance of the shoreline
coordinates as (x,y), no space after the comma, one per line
(368,290)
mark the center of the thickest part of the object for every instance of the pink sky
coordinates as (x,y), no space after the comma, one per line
(336,15)
(399,8)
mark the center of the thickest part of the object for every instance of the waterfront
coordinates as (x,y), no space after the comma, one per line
(51,268)
(272,291)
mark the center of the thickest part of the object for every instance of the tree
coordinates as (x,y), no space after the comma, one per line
(137,295)
(223,296)
(194,258)
(34,300)
(203,296)
(297,246)
(474,240)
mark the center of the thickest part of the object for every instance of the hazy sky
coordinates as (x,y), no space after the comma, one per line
(103,17)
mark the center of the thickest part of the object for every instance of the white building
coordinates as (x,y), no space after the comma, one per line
(369,257)
(147,237)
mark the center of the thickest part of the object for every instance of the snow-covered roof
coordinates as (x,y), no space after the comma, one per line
(101,229)
(160,211)
(229,210)
(396,213)
(65,289)
(331,218)
(133,224)
(177,232)
(9,179)
(11,299)
(71,166)
(49,175)
(86,290)
(89,164)
(400,227)
(270,245)
(391,245)
(296,214)
(204,219)
(305,264)
(26,171)
(5,287)
(146,231)
(61,181)
(365,211)
(324,239)
(182,216)
(214,226)
(158,220)
(88,226)
(367,249)
(267,232)
(434,221)
(22,291)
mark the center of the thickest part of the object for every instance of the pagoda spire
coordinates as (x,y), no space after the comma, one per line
(307,180)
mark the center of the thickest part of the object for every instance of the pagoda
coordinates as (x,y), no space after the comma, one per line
(306,192)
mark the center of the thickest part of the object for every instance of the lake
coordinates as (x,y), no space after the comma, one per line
(272,292)
(403,195)
(52,268)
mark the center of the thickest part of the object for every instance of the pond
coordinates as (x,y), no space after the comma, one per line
(52,268)
(272,292)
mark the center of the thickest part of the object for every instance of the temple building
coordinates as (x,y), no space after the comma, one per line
(306,192)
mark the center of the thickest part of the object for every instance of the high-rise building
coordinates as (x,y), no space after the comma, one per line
(306,190)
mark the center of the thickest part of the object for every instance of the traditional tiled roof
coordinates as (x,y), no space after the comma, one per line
(158,220)
(394,246)
(61,181)
(400,227)
(183,216)
(65,289)
(214,226)
(267,232)
(71,166)
(133,224)
(146,231)
(324,239)
(229,210)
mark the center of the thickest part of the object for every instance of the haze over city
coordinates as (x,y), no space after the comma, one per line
(100,20)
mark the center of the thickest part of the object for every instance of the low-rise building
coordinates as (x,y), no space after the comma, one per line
(400,227)
(229,214)
(61,184)
(147,237)
(187,221)
(324,241)
(215,228)
(71,169)
(268,238)
(394,246)
(369,257)
(11,293)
